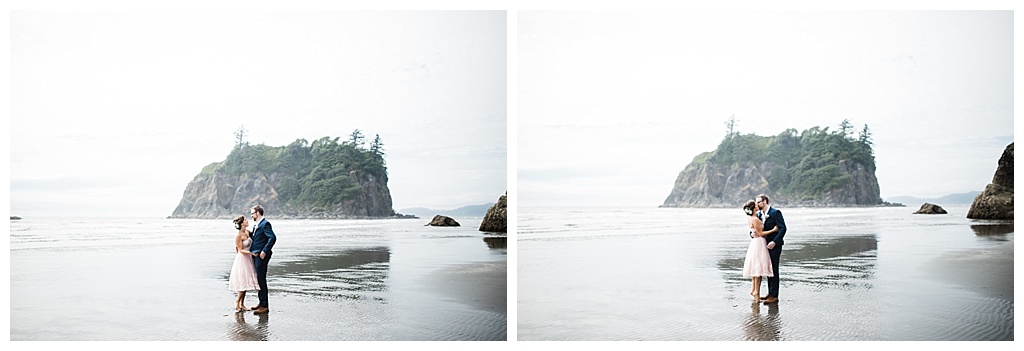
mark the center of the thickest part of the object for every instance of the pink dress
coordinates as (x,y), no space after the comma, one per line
(243,273)
(757,263)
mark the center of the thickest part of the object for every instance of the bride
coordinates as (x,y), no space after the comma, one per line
(757,264)
(243,272)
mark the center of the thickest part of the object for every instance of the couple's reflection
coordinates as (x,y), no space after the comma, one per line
(763,327)
(242,331)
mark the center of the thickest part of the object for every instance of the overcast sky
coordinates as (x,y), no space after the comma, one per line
(613,105)
(113,113)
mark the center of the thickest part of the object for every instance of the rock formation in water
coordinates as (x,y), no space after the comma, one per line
(443,221)
(730,185)
(219,195)
(496,218)
(812,169)
(928,208)
(325,179)
(996,202)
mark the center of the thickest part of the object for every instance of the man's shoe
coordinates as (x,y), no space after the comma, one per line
(255,307)
(261,310)
(771,299)
(764,297)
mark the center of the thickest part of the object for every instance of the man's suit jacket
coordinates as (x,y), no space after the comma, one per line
(774,220)
(263,238)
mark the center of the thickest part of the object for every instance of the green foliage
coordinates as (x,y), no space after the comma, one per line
(740,148)
(289,189)
(814,181)
(808,162)
(700,159)
(317,174)
(210,168)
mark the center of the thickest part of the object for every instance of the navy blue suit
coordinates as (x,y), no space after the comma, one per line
(774,220)
(263,240)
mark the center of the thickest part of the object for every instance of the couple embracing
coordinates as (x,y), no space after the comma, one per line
(249,270)
(767,227)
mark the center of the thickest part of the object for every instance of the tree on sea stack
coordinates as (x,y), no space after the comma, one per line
(730,126)
(240,137)
(356,138)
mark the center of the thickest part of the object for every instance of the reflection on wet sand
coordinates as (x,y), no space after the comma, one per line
(997,230)
(349,274)
(496,242)
(834,261)
(762,328)
(242,331)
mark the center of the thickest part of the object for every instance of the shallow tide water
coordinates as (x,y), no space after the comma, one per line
(847,274)
(143,279)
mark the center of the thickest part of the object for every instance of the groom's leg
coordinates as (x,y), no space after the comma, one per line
(773,281)
(261,278)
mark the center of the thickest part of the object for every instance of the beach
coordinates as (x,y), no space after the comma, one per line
(166,280)
(858,274)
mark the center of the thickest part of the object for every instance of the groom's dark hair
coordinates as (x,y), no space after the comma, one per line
(259,209)
(762,196)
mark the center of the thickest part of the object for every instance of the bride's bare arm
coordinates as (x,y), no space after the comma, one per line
(238,245)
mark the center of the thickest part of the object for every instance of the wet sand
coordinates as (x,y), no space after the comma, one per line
(982,271)
(329,281)
(847,275)
(483,286)
(460,302)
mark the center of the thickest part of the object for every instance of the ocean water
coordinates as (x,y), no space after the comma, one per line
(166,279)
(847,274)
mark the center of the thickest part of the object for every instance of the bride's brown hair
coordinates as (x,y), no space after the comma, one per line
(748,207)
(238,222)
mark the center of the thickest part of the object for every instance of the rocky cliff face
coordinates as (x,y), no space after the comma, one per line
(996,202)
(715,185)
(216,195)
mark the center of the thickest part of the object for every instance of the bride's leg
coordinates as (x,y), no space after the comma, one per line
(757,288)
(241,300)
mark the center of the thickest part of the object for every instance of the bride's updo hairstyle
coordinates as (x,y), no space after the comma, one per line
(748,207)
(238,222)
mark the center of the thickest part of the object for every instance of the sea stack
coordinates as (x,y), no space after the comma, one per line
(996,202)
(814,168)
(496,219)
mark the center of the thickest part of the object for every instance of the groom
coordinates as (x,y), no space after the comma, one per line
(263,239)
(775,227)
